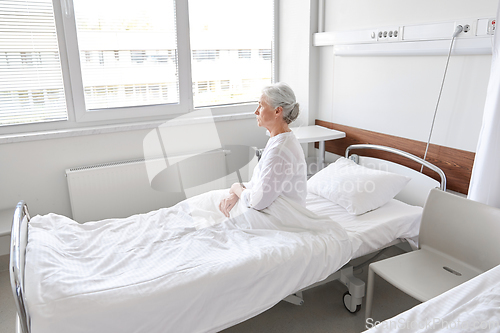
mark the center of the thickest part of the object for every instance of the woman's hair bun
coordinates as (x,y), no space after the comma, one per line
(294,113)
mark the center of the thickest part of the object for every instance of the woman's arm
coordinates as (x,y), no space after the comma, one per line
(274,175)
(237,188)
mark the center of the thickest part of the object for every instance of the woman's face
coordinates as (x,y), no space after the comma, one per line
(266,115)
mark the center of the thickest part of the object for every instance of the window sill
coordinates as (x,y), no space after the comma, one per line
(56,134)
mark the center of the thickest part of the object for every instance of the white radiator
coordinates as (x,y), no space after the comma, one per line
(122,189)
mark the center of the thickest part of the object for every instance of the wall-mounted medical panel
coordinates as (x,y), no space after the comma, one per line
(425,39)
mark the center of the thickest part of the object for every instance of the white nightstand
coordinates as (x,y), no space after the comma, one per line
(315,133)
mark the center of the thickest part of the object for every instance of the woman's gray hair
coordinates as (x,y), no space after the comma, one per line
(280,94)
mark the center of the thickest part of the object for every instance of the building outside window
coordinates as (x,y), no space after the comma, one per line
(245,54)
(265,54)
(225,84)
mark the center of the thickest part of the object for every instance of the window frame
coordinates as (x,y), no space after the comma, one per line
(185,103)
(79,117)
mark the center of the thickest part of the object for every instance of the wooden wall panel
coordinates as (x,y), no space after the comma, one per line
(456,163)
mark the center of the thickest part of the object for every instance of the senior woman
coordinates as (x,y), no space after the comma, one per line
(282,169)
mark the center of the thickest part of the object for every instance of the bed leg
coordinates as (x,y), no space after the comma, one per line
(295,298)
(354,297)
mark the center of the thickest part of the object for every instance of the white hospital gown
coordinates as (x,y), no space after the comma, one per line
(282,170)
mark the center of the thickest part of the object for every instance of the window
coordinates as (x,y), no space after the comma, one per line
(133,59)
(146,31)
(237,29)
(29,64)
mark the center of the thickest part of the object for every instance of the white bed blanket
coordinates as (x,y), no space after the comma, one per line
(181,269)
(473,306)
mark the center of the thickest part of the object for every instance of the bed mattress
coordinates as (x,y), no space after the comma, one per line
(373,230)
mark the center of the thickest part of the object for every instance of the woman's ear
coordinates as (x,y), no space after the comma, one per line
(278,110)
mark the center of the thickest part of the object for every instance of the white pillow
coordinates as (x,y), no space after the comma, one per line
(356,188)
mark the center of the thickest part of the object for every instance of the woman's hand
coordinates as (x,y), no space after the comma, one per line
(228,203)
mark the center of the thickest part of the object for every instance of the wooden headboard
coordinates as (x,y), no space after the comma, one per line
(456,163)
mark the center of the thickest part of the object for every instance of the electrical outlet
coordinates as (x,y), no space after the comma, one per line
(467,28)
(391,34)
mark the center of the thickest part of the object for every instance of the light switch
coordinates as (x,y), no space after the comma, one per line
(482,27)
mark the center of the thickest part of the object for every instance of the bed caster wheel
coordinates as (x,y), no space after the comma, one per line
(347,303)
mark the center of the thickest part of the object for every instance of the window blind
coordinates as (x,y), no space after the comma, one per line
(31,85)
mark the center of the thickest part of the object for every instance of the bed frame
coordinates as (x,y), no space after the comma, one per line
(414,193)
(18,242)
(417,190)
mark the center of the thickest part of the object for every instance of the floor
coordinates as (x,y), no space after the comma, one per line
(7,306)
(322,311)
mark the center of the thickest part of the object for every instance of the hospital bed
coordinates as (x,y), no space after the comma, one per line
(254,268)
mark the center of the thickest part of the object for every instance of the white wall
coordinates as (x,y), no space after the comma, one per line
(397,95)
(296,53)
(298,59)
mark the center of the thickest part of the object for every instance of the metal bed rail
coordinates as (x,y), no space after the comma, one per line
(18,240)
(403,154)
